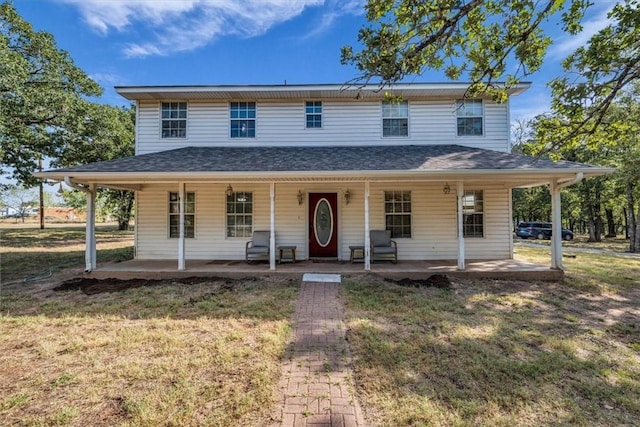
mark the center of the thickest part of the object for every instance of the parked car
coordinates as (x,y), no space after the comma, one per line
(539,230)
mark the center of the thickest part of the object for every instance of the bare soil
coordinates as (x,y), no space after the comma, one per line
(90,286)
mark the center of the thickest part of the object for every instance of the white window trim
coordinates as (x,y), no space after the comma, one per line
(186,128)
(195,215)
(304,106)
(384,212)
(484,113)
(253,215)
(255,120)
(484,209)
(382,118)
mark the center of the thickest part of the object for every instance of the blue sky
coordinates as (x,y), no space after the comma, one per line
(184,42)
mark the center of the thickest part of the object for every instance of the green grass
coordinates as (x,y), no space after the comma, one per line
(501,353)
(615,244)
(28,253)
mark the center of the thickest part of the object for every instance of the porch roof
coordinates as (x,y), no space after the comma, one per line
(347,162)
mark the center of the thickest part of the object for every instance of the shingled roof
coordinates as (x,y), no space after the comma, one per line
(392,158)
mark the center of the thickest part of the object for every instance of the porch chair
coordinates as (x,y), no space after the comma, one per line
(381,244)
(258,245)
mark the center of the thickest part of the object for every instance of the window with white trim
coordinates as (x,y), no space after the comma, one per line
(189,215)
(470,117)
(174,120)
(395,119)
(397,212)
(313,114)
(240,214)
(473,213)
(243,119)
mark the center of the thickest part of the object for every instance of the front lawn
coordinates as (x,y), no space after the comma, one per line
(184,353)
(501,353)
(29,253)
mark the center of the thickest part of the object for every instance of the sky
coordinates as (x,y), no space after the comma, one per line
(227,42)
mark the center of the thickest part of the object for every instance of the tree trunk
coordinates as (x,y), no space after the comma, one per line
(611,223)
(124,211)
(631,219)
(626,223)
(636,236)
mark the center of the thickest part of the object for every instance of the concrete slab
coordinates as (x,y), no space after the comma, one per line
(322,278)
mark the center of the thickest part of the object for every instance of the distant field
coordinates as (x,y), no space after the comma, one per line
(27,252)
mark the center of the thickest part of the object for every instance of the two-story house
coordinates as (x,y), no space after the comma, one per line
(319,166)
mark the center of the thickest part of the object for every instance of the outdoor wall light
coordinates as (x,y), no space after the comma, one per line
(446,189)
(229,190)
(300,197)
(347,196)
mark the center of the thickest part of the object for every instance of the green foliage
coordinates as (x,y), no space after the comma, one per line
(104,133)
(18,198)
(476,39)
(614,143)
(605,67)
(41,90)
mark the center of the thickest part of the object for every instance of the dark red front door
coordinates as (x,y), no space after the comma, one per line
(323,225)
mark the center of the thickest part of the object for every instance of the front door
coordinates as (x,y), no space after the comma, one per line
(323,225)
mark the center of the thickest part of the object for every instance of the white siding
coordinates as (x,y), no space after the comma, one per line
(433,221)
(343,123)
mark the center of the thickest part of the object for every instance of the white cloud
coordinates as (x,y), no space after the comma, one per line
(334,10)
(182,25)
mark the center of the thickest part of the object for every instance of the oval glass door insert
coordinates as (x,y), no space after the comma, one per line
(323,222)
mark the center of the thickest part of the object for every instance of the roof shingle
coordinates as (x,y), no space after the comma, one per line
(323,159)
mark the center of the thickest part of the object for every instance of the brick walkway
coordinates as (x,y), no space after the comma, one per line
(316,387)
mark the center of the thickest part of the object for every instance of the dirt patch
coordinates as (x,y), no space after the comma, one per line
(95,286)
(439,281)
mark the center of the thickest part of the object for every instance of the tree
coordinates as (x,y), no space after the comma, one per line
(18,199)
(476,39)
(597,74)
(103,133)
(618,145)
(41,91)
(485,41)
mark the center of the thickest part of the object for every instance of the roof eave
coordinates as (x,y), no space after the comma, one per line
(298,91)
(297,175)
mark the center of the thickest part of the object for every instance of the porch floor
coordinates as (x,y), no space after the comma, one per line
(164,269)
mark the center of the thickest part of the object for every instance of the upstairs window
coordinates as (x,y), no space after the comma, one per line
(473,213)
(189,215)
(395,119)
(313,112)
(397,211)
(174,119)
(470,117)
(243,119)
(240,214)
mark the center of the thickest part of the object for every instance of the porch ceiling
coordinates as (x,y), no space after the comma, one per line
(412,163)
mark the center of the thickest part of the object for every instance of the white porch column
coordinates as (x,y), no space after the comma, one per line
(90,237)
(272,236)
(556,225)
(181,255)
(367,238)
(460,195)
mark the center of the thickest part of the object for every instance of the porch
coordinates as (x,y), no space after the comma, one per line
(483,269)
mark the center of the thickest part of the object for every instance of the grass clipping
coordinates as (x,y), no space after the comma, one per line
(170,354)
